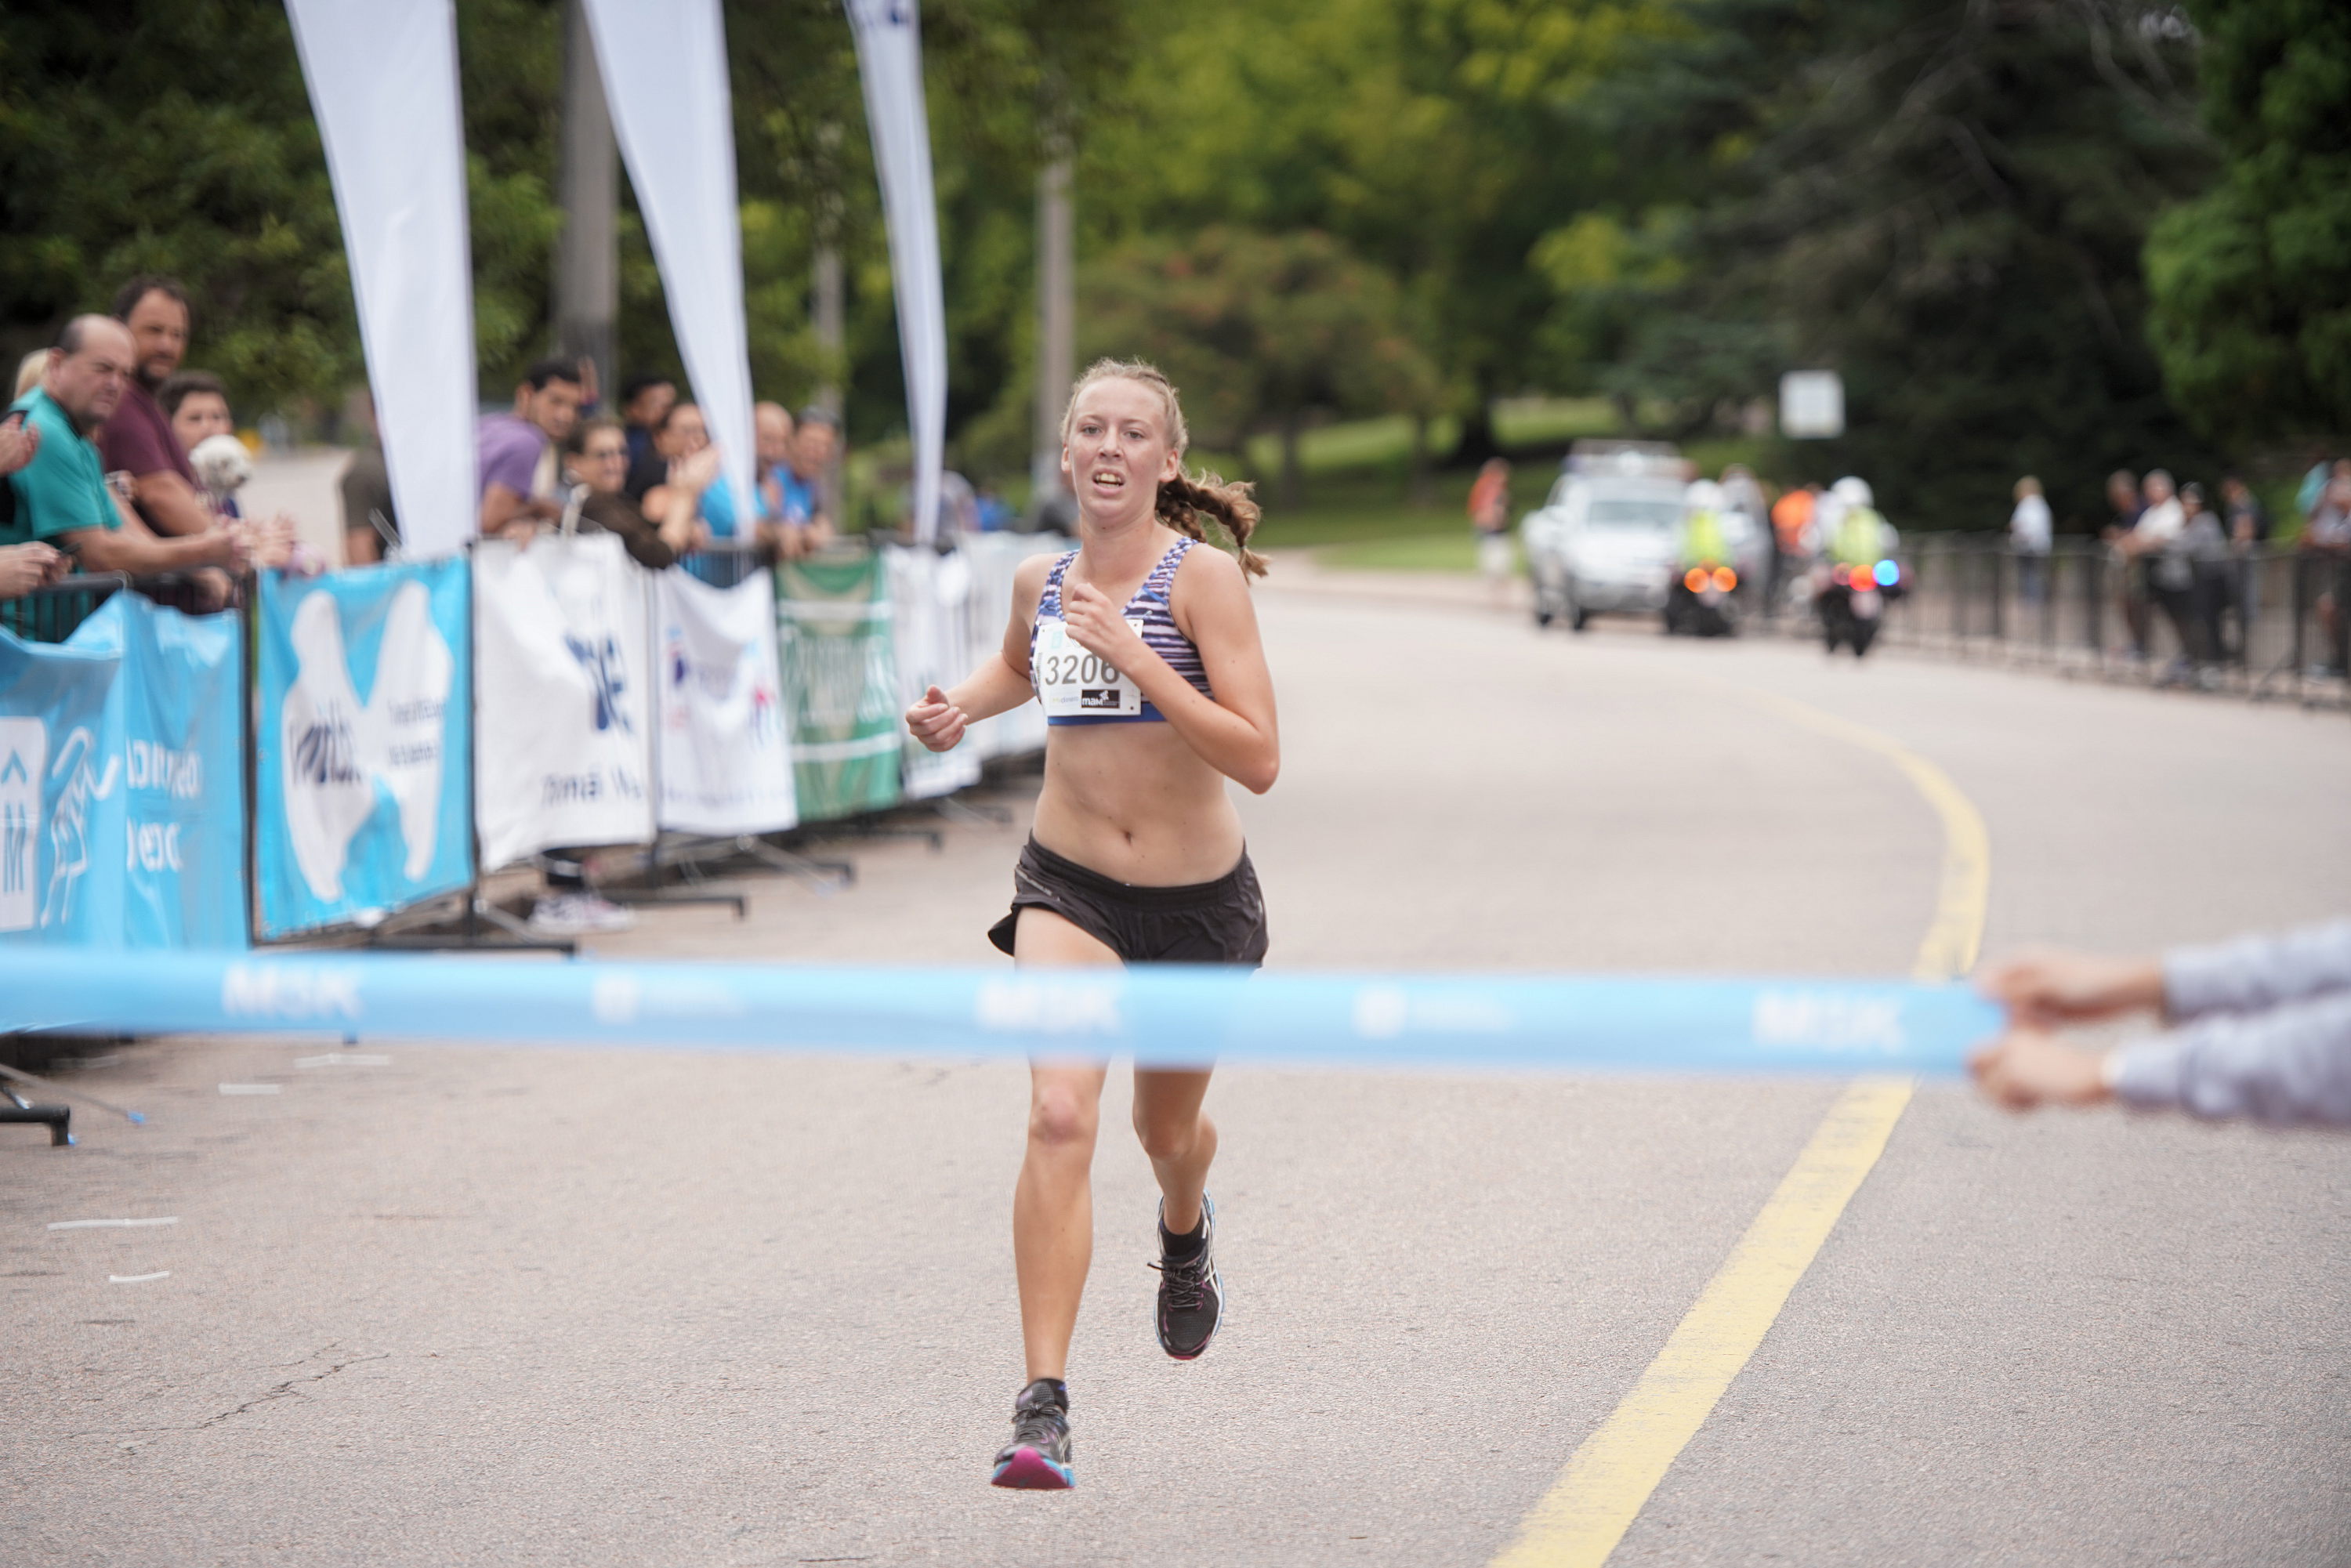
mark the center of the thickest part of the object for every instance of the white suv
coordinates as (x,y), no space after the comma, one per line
(1608,538)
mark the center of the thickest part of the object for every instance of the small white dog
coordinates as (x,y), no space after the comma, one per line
(221,465)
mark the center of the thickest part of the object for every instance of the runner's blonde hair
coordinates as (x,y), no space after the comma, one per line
(1185,499)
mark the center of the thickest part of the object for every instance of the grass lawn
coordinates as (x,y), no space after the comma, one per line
(1454,550)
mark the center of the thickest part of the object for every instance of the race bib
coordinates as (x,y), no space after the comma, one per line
(1073,684)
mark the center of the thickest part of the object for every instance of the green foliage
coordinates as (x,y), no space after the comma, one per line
(1317,209)
(2251,281)
(1946,202)
(1436,138)
(175,139)
(1257,330)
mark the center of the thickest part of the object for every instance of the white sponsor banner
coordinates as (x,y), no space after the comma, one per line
(889,65)
(930,602)
(725,758)
(383,86)
(665,68)
(563,738)
(994,560)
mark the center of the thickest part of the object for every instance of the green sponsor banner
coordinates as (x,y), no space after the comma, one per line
(841,682)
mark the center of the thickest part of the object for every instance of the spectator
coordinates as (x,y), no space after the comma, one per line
(2326,552)
(2031,535)
(2313,488)
(2123,495)
(772,427)
(683,436)
(137,438)
(62,495)
(996,515)
(512,447)
(1792,534)
(25,566)
(29,371)
(31,565)
(645,402)
(2204,544)
(2248,538)
(805,524)
(371,525)
(1489,519)
(195,406)
(2262,1029)
(2153,572)
(597,461)
(958,507)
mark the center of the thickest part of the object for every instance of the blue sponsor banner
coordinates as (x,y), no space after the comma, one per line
(58,777)
(122,784)
(1165,1015)
(182,803)
(361,748)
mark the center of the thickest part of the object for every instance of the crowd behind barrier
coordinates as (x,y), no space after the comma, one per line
(397,731)
(2258,622)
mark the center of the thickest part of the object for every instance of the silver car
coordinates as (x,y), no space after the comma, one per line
(1606,541)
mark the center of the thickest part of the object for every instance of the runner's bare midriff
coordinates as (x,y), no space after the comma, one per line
(1136,803)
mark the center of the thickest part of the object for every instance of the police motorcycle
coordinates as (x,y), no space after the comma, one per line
(1702,600)
(1858,577)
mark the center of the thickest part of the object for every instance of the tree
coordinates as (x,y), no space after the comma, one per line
(1436,138)
(1260,332)
(176,138)
(1943,199)
(2252,280)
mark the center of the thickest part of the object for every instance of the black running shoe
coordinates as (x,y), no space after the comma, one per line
(1037,1457)
(1191,1296)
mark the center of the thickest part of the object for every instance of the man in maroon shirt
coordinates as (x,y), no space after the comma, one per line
(137,438)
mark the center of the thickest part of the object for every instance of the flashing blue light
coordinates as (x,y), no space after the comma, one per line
(1887,574)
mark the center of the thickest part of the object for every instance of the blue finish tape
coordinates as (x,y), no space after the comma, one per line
(1165,1015)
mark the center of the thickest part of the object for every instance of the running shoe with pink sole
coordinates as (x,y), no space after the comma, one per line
(1037,1457)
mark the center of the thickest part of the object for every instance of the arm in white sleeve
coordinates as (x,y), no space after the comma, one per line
(2255,972)
(2289,1064)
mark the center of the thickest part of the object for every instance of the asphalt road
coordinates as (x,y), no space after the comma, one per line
(544,1307)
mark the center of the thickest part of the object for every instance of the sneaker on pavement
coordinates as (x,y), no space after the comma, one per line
(1191,1296)
(1037,1457)
(578,915)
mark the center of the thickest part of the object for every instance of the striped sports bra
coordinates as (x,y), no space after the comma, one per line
(1152,606)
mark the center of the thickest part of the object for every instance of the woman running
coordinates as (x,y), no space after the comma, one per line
(1143,650)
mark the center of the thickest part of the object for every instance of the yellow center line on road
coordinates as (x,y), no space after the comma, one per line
(1609,1479)
(1955,937)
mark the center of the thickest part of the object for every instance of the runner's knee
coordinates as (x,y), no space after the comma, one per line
(1163,1140)
(1062,1119)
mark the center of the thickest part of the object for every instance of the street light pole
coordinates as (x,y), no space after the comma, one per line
(1056,323)
(587,256)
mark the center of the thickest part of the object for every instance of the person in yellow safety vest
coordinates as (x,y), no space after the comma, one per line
(1862,536)
(1703,540)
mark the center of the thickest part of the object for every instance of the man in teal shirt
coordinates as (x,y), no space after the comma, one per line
(61,495)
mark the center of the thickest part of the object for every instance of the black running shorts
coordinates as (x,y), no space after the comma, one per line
(1220,922)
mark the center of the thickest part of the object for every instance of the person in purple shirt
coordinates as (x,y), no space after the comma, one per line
(510,447)
(137,438)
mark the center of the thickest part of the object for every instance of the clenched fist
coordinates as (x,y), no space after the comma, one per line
(936,721)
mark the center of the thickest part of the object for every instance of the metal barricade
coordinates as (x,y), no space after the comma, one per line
(50,614)
(724,563)
(2260,622)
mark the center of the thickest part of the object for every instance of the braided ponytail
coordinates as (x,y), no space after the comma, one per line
(1183,499)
